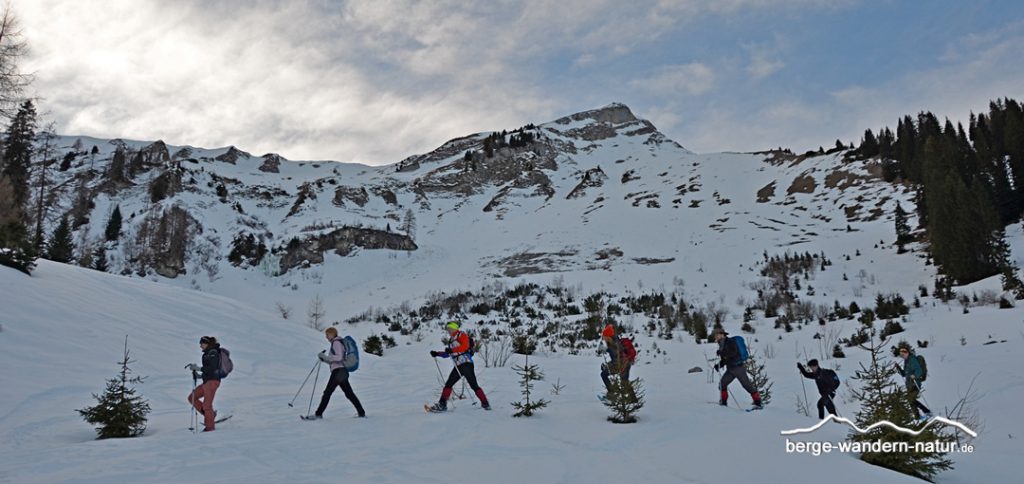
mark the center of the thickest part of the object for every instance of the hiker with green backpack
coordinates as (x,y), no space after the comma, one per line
(733,354)
(342,359)
(915,372)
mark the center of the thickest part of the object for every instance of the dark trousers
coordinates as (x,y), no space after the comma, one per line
(825,402)
(919,407)
(464,370)
(605,374)
(739,373)
(339,378)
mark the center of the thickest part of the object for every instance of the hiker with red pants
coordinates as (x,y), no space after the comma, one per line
(202,398)
(619,361)
(458,349)
(732,361)
(339,375)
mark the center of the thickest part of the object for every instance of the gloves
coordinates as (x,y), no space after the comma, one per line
(433,353)
(194,367)
(323,357)
(718,366)
(800,367)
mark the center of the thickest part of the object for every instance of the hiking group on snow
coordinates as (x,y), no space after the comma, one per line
(343,359)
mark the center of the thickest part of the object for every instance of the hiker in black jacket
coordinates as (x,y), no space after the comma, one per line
(202,398)
(731,361)
(827,382)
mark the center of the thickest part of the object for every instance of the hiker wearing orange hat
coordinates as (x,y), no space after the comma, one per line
(621,355)
(460,350)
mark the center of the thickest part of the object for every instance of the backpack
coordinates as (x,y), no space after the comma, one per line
(628,350)
(472,345)
(351,360)
(924,367)
(834,379)
(741,346)
(225,363)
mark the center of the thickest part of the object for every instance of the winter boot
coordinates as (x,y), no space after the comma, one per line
(440,406)
(483,399)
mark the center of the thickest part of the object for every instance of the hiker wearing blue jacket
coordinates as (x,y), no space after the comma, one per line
(729,353)
(913,375)
(339,374)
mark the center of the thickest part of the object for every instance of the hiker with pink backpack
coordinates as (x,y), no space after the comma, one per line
(216,366)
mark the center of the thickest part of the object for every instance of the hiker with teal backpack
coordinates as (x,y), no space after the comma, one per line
(343,359)
(827,382)
(460,349)
(914,373)
(733,353)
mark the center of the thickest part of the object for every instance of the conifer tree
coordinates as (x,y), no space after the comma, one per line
(759,377)
(99,259)
(61,248)
(881,399)
(113,231)
(119,412)
(527,375)
(902,229)
(18,149)
(15,249)
(625,398)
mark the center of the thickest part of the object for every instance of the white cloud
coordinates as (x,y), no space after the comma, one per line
(694,78)
(364,80)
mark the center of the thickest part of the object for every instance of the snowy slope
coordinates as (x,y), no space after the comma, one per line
(63,329)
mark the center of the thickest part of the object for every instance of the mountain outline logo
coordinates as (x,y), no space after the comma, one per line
(851,424)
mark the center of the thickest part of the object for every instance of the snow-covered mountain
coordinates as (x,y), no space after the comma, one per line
(218,241)
(599,196)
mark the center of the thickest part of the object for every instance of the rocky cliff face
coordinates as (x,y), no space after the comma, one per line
(188,212)
(343,242)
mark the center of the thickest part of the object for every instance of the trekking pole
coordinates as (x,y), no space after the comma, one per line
(193,420)
(807,403)
(737,402)
(313,392)
(440,376)
(463,378)
(833,402)
(317,364)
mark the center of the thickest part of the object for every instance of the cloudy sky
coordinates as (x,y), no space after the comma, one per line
(374,81)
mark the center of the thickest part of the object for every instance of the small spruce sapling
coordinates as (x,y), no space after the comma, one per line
(759,378)
(527,375)
(625,398)
(119,412)
(881,398)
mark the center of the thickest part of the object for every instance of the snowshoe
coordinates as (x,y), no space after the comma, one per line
(436,408)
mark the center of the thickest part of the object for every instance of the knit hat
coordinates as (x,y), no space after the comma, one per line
(205,340)
(453,325)
(608,331)
(812,363)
